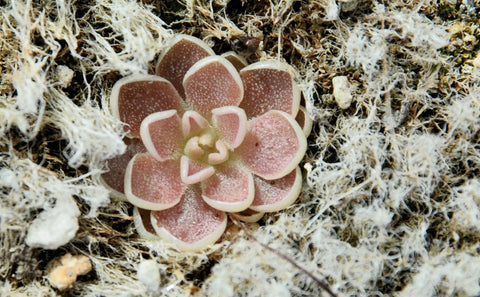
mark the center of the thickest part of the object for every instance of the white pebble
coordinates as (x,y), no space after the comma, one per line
(342,91)
(55,226)
(148,273)
(65,270)
(64,75)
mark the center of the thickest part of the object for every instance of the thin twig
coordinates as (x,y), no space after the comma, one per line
(323,285)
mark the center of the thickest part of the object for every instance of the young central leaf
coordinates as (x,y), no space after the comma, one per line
(206,148)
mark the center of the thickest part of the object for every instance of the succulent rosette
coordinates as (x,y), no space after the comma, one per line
(207,135)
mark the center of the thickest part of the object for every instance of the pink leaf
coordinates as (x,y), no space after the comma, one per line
(221,155)
(152,184)
(237,61)
(304,120)
(192,224)
(143,224)
(192,171)
(161,133)
(182,53)
(273,146)
(230,189)
(276,194)
(136,96)
(248,215)
(231,122)
(212,82)
(268,85)
(114,178)
(192,121)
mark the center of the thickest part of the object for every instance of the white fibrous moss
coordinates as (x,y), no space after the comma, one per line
(24,109)
(136,31)
(244,273)
(100,138)
(465,206)
(390,203)
(331,11)
(446,274)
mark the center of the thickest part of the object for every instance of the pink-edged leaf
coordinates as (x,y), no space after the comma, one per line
(248,215)
(136,96)
(182,53)
(230,189)
(192,224)
(269,85)
(192,171)
(231,122)
(161,133)
(143,224)
(193,149)
(276,194)
(152,184)
(192,121)
(304,120)
(212,82)
(273,146)
(115,177)
(237,61)
(220,156)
